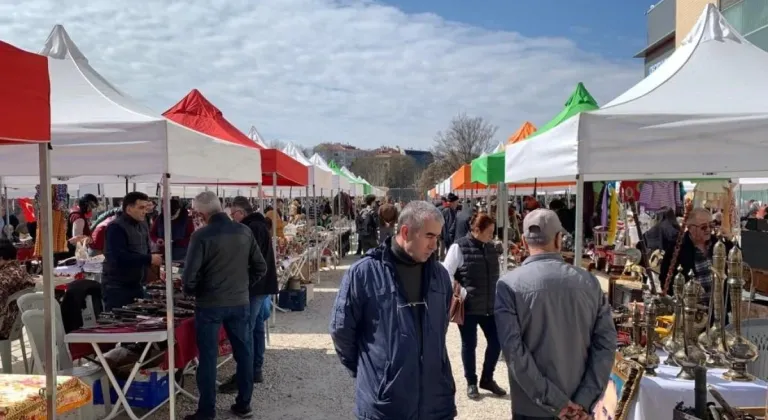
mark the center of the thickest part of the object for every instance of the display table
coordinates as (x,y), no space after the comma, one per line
(21,396)
(657,396)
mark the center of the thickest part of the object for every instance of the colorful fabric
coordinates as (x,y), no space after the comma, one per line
(21,396)
(613,220)
(13,278)
(655,195)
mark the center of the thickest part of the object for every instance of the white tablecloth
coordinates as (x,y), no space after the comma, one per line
(658,395)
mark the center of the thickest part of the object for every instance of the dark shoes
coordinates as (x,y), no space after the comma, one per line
(243,413)
(472,392)
(197,416)
(230,386)
(493,387)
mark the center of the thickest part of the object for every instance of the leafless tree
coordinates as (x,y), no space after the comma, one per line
(437,171)
(403,172)
(464,140)
(373,169)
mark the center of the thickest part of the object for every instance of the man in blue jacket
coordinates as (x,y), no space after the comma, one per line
(389,324)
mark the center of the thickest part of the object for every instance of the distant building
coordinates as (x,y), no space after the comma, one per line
(342,154)
(423,158)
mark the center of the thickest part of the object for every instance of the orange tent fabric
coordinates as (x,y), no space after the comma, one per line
(462,179)
(522,133)
(196,112)
(25,89)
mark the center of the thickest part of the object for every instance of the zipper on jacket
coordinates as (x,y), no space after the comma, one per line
(488,281)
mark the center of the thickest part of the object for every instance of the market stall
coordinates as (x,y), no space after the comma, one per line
(131,142)
(662,129)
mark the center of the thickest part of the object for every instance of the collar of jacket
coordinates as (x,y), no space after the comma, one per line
(254,217)
(556,256)
(129,219)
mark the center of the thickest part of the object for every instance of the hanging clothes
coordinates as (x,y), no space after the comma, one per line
(613,216)
(655,195)
(604,207)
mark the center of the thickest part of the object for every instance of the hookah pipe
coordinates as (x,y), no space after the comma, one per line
(641,242)
(678,244)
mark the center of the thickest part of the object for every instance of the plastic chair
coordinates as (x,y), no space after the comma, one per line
(34,322)
(15,334)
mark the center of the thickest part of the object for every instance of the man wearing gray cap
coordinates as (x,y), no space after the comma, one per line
(555,329)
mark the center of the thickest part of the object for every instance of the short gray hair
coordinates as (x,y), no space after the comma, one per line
(207,202)
(697,213)
(416,213)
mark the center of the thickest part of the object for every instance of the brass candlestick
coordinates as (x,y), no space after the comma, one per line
(634,350)
(674,341)
(649,359)
(690,355)
(711,340)
(738,350)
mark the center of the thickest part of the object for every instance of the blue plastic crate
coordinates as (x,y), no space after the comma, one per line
(148,392)
(294,300)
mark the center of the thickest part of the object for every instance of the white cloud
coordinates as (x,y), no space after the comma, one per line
(322,70)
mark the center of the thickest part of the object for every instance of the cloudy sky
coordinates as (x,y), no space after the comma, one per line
(368,73)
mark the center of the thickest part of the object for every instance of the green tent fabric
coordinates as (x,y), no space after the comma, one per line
(579,101)
(352,179)
(489,169)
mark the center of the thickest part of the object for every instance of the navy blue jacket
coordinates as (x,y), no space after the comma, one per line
(374,333)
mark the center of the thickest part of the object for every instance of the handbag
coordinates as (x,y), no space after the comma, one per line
(456,312)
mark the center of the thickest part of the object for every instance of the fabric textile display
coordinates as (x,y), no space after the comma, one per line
(613,213)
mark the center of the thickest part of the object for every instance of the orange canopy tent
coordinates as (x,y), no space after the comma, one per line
(25,108)
(522,133)
(462,179)
(196,112)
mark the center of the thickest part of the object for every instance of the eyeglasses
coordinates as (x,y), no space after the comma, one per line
(414,305)
(704,227)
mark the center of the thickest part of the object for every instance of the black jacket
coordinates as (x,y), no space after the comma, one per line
(260,227)
(462,221)
(479,275)
(449,228)
(126,253)
(222,260)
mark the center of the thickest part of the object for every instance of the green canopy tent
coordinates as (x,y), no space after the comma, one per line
(489,169)
(360,187)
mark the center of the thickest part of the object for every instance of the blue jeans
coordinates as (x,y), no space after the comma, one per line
(258,320)
(236,322)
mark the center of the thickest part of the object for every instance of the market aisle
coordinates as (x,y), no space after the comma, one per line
(304,380)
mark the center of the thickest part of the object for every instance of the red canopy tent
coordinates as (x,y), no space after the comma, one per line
(196,112)
(25,117)
(25,97)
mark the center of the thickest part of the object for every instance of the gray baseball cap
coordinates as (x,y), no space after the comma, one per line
(541,226)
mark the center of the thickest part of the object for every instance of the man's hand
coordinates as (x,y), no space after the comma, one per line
(573,411)
(80,238)
(157,259)
(160,242)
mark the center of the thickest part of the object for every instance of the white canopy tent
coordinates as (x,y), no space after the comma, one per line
(320,180)
(338,182)
(356,184)
(686,120)
(101,135)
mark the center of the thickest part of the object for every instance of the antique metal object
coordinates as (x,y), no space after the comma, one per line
(634,350)
(711,340)
(674,341)
(690,355)
(648,358)
(738,350)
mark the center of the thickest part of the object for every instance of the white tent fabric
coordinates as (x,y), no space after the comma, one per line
(356,184)
(318,176)
(687,120)
(99,134)
(338,182)
(256,137)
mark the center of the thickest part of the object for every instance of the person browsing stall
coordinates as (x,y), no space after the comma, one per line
(474,264)
(261,290)
(127,254)
(389,324)
(555,328)
(223,262)
(182,227)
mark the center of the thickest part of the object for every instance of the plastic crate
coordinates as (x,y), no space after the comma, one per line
(147,390)
(294,300)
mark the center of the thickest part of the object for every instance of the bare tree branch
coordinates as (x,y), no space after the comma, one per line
(436,172)
(464,140)
(276,144)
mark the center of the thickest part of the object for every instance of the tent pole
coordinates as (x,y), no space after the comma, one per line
(45,218)
(276,215)
(169,293)
(578,248)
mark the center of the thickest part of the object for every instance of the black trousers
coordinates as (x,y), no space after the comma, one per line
(468,332)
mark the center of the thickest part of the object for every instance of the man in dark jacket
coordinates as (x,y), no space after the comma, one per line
(449,217)
(223,262)
(367,225)
(401,368)
(127,254)
(463,217)
(242,212)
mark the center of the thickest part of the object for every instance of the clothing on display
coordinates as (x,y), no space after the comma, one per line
(655,195)
(59,227)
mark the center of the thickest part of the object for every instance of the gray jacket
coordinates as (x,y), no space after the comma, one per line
(557,335)
(223,262)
